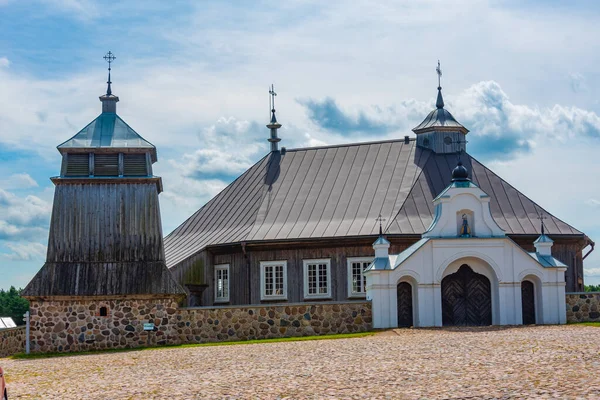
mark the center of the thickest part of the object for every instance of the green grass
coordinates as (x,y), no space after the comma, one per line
(596,324)
(23,356)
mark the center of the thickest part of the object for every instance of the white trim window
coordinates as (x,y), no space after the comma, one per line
(273,280)
(222,283)
(317,279)
(357,282)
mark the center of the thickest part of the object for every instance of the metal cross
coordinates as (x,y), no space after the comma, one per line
(109,57)
(273,94)
(380,220)
(439,72)
(542,217)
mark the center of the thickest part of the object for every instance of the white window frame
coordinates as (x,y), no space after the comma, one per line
(351,292)
(263,266)
(222,299)
(308,295)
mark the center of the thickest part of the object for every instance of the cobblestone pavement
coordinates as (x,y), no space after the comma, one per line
(531,362)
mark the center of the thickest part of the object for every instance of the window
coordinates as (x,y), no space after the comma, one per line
(134,165)
(357,283)
(317,278)
(78,165)
(273,280)
(103,311)
(106,164)
(221,283)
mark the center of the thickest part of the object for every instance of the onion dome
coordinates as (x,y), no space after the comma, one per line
(460,173)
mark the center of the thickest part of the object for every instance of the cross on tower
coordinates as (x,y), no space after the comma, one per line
(439,73)
(272,98)
(542,217)
(380,220)
(109,57)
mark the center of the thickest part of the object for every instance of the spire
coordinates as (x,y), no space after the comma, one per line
(109,101)
(273,124)
(440,101)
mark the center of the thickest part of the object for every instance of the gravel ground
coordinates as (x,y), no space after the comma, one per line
(478,363)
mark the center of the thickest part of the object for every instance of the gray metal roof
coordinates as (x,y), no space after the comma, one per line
(339,191)
(547,261)
(107,131)
(439,117)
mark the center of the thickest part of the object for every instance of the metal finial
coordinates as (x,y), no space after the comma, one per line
(380,220)
(439,73)
(542,217)
(272,103)
(109,57)
(440,101)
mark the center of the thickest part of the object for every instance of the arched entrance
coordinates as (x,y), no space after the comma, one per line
(466,298)
(528,302)
(405,305)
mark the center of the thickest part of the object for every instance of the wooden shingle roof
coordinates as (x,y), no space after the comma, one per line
(338,191)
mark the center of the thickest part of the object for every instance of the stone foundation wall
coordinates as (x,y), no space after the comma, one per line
(77,325)
(12,341)
(583,307)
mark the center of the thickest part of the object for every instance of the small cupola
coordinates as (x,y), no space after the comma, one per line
(107,147)
(460,173)
(273,125)
(543,244)
(381,245)
(440,131)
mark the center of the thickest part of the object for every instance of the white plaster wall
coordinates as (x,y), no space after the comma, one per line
(502,261)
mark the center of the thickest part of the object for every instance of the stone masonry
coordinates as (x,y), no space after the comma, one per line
(79,325)
(583,307)
(12,341)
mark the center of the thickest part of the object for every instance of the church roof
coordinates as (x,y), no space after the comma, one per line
(339,191)
(107,131)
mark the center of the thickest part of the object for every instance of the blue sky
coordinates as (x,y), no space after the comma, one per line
(193,78)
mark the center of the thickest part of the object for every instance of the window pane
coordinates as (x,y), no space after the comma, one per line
(323,278)
(269,280)
(312,279)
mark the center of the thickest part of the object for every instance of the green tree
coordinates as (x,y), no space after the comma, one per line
(13,305)
(592,288)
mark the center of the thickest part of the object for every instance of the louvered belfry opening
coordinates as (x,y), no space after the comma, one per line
(134,165)
(106,164)
(78,165)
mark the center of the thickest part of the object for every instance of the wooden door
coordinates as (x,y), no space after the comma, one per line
(528,302)
(405,306)
(466,298)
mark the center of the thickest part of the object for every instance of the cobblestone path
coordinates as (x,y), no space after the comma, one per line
(487,363)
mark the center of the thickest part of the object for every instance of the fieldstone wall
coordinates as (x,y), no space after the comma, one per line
(12,341)
(583,307)
(78,325)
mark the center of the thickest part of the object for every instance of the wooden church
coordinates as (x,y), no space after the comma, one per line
(299,224)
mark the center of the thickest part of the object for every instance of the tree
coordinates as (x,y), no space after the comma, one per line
(592,288)
(13,305)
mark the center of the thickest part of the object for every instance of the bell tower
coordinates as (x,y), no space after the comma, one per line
(440,131)
(105,245)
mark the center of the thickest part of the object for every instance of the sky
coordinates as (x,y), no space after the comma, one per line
(193,79)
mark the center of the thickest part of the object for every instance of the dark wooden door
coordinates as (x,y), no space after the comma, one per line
(405,306)
(528,302)
(466,298)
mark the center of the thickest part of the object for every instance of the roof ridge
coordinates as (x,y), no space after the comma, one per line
(350,144)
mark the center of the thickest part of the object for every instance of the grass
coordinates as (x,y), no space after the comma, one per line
(23,356)
(596,324)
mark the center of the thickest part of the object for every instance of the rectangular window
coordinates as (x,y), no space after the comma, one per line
(221,283)
(78,165)
(134,165)
(357,283)
(106,164)
(317,278)
(273,280)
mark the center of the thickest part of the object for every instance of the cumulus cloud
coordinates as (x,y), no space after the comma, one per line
(592,272)
(18,181)
(499,128)
(25,251)
(23,217)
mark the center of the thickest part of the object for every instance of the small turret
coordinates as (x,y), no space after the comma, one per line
(273,125)
(543,244)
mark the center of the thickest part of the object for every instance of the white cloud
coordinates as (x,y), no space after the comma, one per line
(577,82)
(23,217)
(592,272)
(25,251)
(18,181)
(4,62)
(593,202)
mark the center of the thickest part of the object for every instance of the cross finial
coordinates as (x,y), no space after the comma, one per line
(109,57)
(542,217)
(272,102)
(439,73)
(380,220)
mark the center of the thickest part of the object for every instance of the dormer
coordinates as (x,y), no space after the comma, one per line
(462,210)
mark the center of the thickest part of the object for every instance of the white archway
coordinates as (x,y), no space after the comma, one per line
(415,296)
(533,277)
